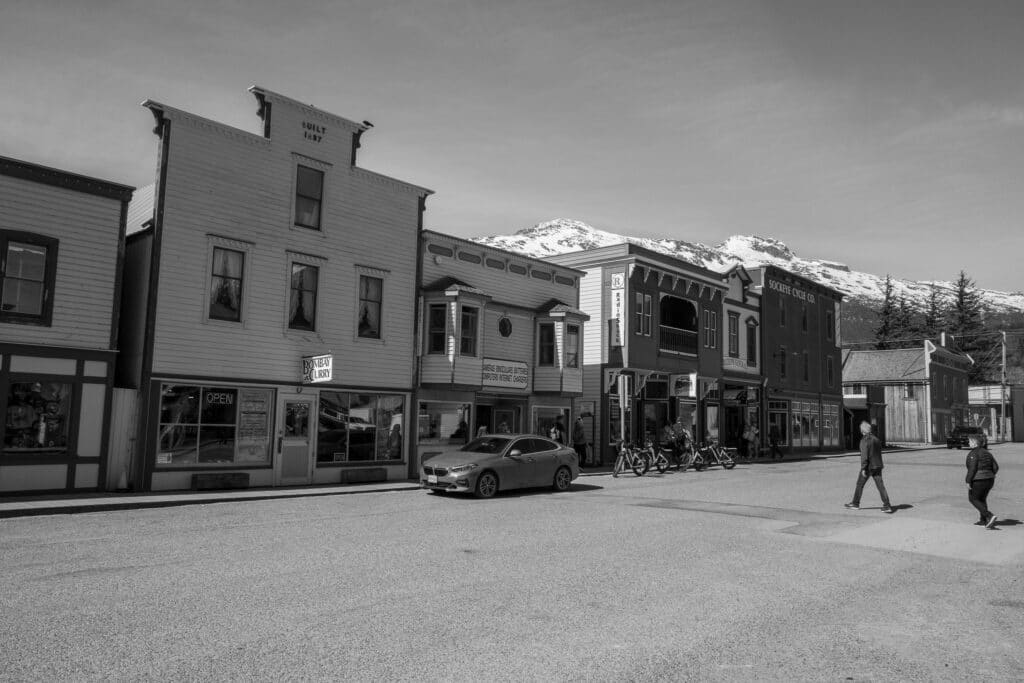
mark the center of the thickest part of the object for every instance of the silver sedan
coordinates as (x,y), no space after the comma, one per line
(498,462)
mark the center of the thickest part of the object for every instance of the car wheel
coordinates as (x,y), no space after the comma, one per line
(486,485)
(563,479)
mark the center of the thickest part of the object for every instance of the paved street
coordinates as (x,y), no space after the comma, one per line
(757,573)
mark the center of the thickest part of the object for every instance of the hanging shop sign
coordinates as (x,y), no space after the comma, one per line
(317,369)
(505,374)
(617,305)
(684,386)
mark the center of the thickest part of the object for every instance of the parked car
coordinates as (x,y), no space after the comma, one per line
(958,437)
(499,462)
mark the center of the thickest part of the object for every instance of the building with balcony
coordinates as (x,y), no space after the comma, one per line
(271,291)
(62,239)
(923,390)
(801,361)
(501,338)
(654,344)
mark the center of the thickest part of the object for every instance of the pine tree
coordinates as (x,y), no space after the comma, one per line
(965,319)
(905,330)
(934,317)
(887,318)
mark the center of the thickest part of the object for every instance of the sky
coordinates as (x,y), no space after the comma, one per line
(887,135)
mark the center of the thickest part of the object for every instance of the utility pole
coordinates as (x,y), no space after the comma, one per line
(1002,392)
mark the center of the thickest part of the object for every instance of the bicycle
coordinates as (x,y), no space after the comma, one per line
(717,455)
(656,457)
(630,456)
(690,457)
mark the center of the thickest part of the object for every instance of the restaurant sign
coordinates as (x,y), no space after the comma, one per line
(317,369)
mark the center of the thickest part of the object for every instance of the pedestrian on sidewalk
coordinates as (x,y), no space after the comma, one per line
(981,477)
(870,466)
(579,441)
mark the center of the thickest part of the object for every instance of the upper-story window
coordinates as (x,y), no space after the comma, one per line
(28,269)
(783,353)
(830,325)
(734,334)
(803,317)
(643,303)
(226,277)
(751,343)
(371,294)
(546,344)
(309,191)
(807,367)
(468,330)
(302,299)
(782,312)
(572,346)
(437,328)
(710,329)
(830,371)
(677,325)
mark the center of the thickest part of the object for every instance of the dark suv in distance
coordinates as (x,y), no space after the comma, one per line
(958,437)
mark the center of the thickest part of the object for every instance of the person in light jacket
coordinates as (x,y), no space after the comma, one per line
(981,477)
(870,466)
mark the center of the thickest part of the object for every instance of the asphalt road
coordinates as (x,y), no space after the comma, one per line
(757,573)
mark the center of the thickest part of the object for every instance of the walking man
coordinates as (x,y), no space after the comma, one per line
(870,466)
(579,441)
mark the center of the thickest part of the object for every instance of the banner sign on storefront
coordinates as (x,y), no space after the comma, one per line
(618,306)
(317,369)
(684,386)
(505,374)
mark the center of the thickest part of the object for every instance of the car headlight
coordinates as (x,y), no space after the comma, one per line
(461,469)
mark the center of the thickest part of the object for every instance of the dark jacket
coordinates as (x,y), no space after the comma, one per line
(870,452)
(981,465)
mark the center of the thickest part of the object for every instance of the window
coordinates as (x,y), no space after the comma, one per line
(830,325)
(572,346)
(468,333)
(677,325)
(371,291)
(226,284)
(807,367)
(830,371)
(38,413)
(302,302)
(360,427)
(442,423)
(752,344)
(309,190)
(437,328)
(734,335)
(910,392)
(28,269)
(782,312)
(643,314)
(546,344)
(710,329)
(208,425)
(803,317)
(782,362)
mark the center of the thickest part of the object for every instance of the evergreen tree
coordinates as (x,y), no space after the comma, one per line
(934,318)
(905,330)
(886,330)
(965,320)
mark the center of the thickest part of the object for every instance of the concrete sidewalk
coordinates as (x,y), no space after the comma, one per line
(66,504)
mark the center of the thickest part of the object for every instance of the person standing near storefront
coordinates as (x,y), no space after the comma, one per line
(981,476)
(753,446)
(579,441)
(870,466)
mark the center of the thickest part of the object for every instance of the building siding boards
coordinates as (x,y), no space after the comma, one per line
(218,185)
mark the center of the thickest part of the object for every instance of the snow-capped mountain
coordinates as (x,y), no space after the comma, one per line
(563,235)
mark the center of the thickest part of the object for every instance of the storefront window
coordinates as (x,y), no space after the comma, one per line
(37,417)
(202,425)
(443,423)
(778,416)
(615,422)
(360,427)
(545,418)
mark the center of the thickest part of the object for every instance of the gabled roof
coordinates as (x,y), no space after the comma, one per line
(557,309)
(889,365)
(451,285)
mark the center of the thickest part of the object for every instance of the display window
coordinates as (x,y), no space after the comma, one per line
(778,422)
(37,417)
(616,421)
(552,422)
(443,422)
(214,426)
(358,427)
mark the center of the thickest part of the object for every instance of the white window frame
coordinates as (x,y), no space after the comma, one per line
(381,274)
(317,165)
(220,242)
(319,262)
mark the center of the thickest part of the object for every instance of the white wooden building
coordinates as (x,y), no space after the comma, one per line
(269,327)
(61,243)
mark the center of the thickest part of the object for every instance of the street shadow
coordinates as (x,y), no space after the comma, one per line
(1000,521)
(902,506)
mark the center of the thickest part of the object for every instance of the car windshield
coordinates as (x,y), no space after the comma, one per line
(486,444)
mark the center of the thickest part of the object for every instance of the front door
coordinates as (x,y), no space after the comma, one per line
(293,459)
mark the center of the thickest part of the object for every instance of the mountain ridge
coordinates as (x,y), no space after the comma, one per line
(564,235)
